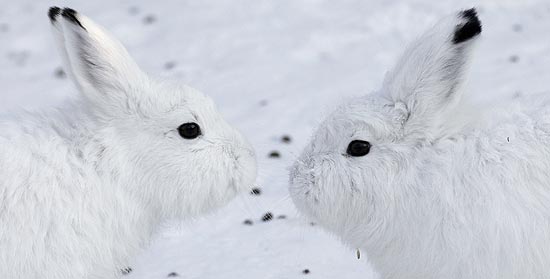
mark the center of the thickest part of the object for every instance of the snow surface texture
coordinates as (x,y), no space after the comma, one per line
(274,68)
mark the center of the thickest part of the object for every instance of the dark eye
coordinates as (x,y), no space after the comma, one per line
(358,148)
(189,130)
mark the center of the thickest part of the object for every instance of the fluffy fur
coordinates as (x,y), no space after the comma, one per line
(435,197)
(83,187)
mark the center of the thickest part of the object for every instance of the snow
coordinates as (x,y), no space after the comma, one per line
(274,68)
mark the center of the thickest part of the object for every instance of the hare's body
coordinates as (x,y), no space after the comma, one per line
(63,214)
(427,188)
(83,187)
(458,211)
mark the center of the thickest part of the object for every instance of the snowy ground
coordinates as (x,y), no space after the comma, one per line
(274,68)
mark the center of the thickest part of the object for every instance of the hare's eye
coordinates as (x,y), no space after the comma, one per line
(189,130)
(358,148)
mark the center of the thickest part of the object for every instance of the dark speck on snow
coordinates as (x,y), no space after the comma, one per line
(149,19)
(513,58)
(169,65)
(126,271)
(274,154)
(256,191)
(286,139)
(59,73)
(267,217)
(133,10)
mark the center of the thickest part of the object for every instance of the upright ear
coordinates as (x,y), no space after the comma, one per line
(428,76)
(99,65)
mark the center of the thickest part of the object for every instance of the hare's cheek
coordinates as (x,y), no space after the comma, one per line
(246,170)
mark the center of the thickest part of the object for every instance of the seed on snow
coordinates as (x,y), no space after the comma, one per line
(286,139)
(256,191)
(267,217)
(274,154)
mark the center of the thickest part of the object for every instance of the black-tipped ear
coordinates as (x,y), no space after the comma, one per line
(53,12)
(70,15)
(428,76)
(468,30)
(99,65)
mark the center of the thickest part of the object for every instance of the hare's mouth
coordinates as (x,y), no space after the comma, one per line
(302,175)
(303,187)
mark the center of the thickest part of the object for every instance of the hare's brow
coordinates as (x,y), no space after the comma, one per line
(174,107)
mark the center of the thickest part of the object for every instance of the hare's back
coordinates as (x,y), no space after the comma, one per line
(38,152)
(525,118)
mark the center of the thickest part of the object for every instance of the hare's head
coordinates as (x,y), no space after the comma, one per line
(165,142)
(349,176)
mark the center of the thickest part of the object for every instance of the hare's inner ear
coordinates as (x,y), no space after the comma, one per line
(98,64)
(428,76)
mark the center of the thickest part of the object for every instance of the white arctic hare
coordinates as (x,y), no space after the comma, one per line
(425,198)
(83,187)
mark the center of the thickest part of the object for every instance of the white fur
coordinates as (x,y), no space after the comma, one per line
(435,197)
(83,187)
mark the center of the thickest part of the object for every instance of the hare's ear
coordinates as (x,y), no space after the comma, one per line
(98,64)
(428,76)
